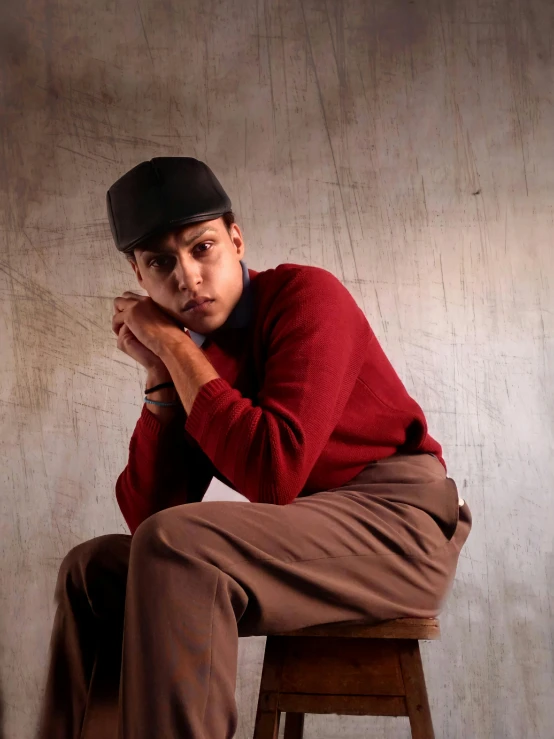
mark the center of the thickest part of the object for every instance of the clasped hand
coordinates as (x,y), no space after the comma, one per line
(140,324)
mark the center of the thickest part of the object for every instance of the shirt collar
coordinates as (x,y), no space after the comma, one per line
(240,315)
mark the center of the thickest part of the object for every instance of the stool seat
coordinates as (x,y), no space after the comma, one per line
(347,669)
(424,629)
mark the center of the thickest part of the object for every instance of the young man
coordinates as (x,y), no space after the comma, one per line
(291,401)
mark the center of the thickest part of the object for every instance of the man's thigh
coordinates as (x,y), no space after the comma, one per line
(334,556)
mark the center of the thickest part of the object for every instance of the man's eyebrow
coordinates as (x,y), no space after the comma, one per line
(153,249)
(195,235)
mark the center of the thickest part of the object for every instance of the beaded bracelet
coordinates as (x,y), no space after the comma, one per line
(158,402)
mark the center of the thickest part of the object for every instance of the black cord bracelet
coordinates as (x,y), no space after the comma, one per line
(158,387)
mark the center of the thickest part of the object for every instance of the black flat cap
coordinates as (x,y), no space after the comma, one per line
(164,193)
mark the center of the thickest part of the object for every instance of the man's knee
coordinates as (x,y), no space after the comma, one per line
(158,531)
(91,561)
(189,530)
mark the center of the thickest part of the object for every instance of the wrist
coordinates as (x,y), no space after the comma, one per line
(156,373)
(172,351)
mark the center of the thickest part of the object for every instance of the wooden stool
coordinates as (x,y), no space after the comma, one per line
(347,670)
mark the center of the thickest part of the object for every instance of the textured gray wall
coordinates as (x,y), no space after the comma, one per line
(407,147)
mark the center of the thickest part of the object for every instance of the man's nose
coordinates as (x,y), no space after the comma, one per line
(188,277)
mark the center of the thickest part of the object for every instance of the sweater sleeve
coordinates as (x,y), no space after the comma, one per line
(315,342)
(163,470)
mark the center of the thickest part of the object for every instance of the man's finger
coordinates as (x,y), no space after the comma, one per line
(121,303)
(117,322)
(135,296)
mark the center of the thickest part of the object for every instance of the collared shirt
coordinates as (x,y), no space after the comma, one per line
(240,315)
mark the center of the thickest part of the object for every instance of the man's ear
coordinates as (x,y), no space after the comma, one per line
(237,239)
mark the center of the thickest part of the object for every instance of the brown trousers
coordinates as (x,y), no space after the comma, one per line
(145,637)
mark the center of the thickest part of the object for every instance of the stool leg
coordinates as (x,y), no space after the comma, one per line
(267,725)
(268,714)
(294,726)
(417,702)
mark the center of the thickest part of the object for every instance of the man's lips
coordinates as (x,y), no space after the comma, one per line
(197,305)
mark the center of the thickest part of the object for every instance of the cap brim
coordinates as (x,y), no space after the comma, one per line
(171,226)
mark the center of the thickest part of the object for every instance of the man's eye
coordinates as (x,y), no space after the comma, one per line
(159,262)
(204,243)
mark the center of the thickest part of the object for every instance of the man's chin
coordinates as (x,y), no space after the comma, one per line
(203,325)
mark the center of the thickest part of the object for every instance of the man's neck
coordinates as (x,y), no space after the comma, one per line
(241,314)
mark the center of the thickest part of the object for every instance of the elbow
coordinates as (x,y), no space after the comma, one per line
(286,472)
(277,486)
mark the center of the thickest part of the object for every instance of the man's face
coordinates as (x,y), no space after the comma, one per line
(201,260)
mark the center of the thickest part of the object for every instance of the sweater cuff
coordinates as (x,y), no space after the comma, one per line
(200,414)
(152,424)
(149,421)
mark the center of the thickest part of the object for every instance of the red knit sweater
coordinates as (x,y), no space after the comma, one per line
(306,399)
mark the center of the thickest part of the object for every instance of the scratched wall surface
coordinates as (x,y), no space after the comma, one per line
(405,146)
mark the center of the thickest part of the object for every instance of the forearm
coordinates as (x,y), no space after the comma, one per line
(189,369)
(162,469)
